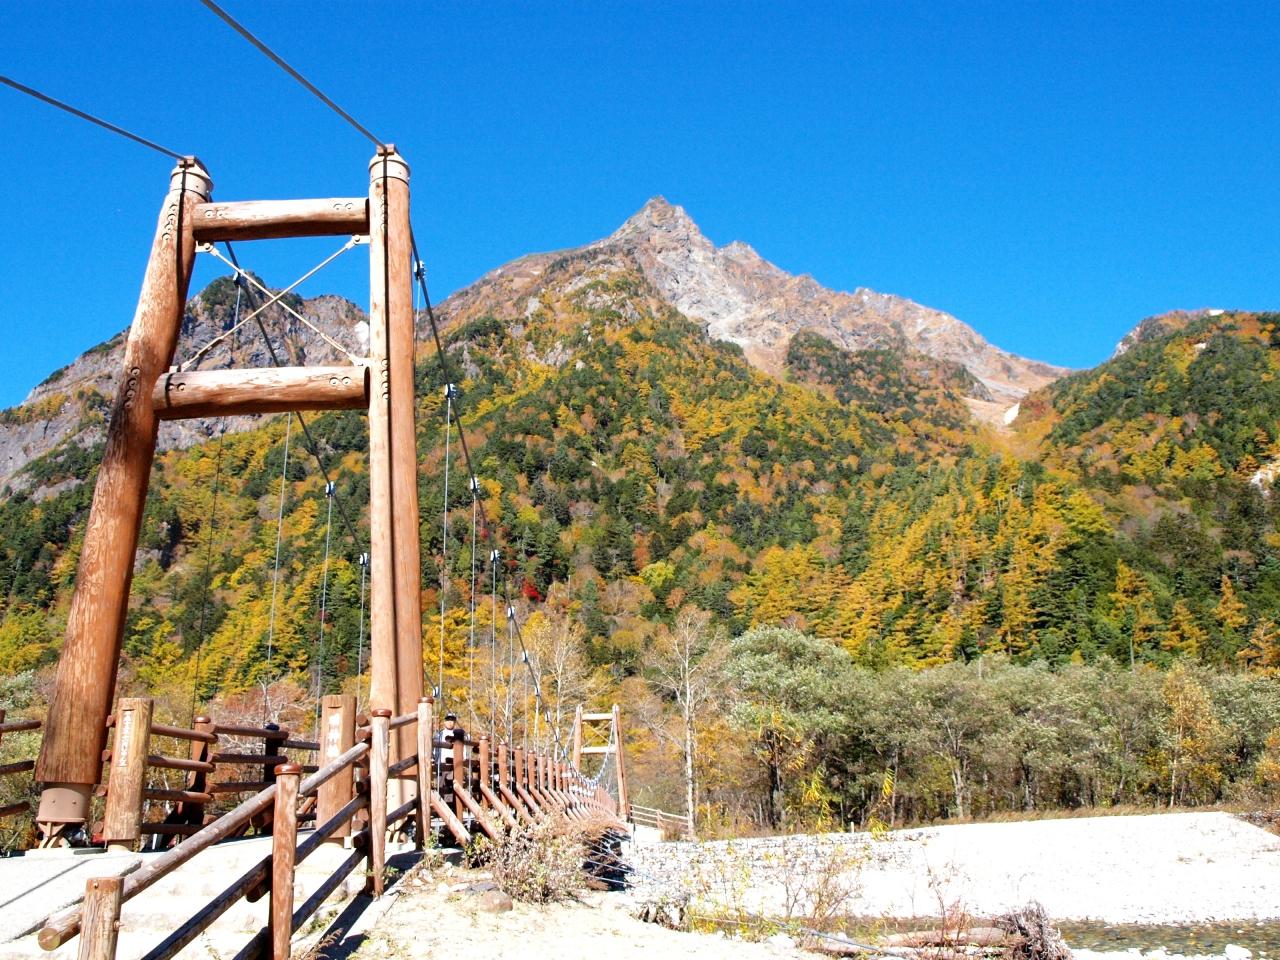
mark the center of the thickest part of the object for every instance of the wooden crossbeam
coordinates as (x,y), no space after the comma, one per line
(277,219)
(226,393)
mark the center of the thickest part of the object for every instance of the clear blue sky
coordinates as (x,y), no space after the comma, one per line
(1049,173)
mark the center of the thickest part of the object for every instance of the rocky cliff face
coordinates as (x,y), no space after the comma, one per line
(743,298)
(73,404)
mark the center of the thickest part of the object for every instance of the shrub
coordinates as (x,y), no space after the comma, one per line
(539,864)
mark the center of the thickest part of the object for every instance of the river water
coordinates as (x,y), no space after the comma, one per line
(1262,938)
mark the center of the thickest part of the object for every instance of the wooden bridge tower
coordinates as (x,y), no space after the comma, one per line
(70,762)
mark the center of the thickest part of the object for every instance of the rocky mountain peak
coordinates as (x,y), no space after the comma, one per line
(745,299)
(659,222)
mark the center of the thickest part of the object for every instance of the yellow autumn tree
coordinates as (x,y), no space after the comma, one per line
(1230,612)
(1183,635)
(1135,608)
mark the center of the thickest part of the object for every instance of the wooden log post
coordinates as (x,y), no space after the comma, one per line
(577,738)
(507,786)
(197,780)
(284,848)
(426,761)
(486,760)
(122,823)
(271,748)
(100,923)
(383,685)
(460,777)
(337,736)
(391,260)
(624,803)
(380,723)
(70,760)
(404,441)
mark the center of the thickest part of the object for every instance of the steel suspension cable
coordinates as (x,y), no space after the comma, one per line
(449,391)
(279,62)
(213,521)
(274,299)
(364,573)
(324,599)
(76,112)
(471,648)
(312,447)
(275,575)
(466,453)
(494,558)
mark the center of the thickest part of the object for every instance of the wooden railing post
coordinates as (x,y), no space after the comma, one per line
(486,763)
(197,780)
(337,736)
(122,825)
(426,757)
(100,921)
(284,844)
(504,768)
(379,757)
(624,804)
(459,777)
(577,738)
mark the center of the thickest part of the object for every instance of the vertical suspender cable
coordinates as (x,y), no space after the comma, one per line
(493,643)
(511,679)
(449,391)
(213,522)
(364,579)
(275,575)
(471,647)
(324,598)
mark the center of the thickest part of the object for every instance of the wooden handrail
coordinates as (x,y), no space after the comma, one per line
(194,926)
(261,733)
(400,766)
(19,766)
(332,769)
(261,759)
(177,796)
(176,763)
(402,811)
(403,720)
(238,786)
(17,726)
(181,733)
(58,930)
(299,745)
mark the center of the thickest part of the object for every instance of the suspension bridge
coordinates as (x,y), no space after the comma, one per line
(362,780)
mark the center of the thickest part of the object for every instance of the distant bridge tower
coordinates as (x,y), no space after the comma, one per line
(601,733)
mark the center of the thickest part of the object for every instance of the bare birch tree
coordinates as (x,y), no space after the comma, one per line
(684,663)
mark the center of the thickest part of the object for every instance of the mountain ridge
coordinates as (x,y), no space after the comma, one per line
(743,298)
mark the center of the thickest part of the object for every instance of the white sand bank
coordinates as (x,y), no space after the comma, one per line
(1161,868)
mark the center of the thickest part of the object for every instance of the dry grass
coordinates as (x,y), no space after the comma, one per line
(542,863)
